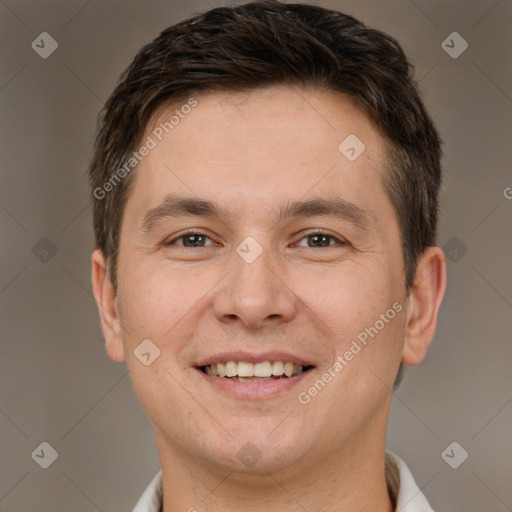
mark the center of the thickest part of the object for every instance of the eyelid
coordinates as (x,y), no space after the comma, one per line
(310,232)
(304,234)
(177,236)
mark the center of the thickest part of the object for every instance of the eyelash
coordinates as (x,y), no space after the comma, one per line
(305,235)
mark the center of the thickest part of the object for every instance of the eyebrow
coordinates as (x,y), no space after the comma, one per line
(176,206)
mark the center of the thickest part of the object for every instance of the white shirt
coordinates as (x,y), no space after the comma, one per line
(400,481)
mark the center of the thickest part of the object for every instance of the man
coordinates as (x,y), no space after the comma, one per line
(265,184)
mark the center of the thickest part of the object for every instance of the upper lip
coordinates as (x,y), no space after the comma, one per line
(252,357)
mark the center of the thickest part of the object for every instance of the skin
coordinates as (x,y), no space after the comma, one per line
(250,153)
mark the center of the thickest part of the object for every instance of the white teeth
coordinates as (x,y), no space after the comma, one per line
(252,379)
(288,369)
(278,368)
(243,370)
(231,369)
(261,369)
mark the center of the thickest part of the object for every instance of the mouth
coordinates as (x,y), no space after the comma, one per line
(245,375)
(262,371)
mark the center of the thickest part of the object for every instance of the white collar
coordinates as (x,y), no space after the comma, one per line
(400,483)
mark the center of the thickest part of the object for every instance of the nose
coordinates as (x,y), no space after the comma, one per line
(254,295)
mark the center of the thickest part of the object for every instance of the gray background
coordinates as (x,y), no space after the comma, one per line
(56,381)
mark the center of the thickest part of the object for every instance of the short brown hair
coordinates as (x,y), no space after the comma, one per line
(267,43)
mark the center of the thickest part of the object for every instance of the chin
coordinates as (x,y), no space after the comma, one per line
(259,450)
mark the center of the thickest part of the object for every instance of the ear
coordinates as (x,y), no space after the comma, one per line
(105,296)
(423,304)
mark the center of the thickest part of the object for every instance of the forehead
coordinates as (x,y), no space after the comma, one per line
(285,113)
(250,149)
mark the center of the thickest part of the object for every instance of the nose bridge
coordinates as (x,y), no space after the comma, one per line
(254,294)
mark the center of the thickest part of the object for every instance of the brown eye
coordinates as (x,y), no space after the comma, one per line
(190,240)
(319,240)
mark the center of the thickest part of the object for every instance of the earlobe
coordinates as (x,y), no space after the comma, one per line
(423,305)
(105,296)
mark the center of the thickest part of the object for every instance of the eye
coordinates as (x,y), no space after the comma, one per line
(190,240)
(319,240)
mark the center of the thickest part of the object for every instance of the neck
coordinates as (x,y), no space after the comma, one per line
(351,479)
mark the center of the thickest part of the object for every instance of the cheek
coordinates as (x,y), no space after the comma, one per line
(155,306)
(347,299)
(153,302)
(361,309)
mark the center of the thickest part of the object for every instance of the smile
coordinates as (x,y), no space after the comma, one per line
(264,371)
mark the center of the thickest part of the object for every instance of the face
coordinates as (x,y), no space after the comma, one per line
(249,237)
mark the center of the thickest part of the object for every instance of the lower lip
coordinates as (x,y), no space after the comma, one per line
(254,390)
